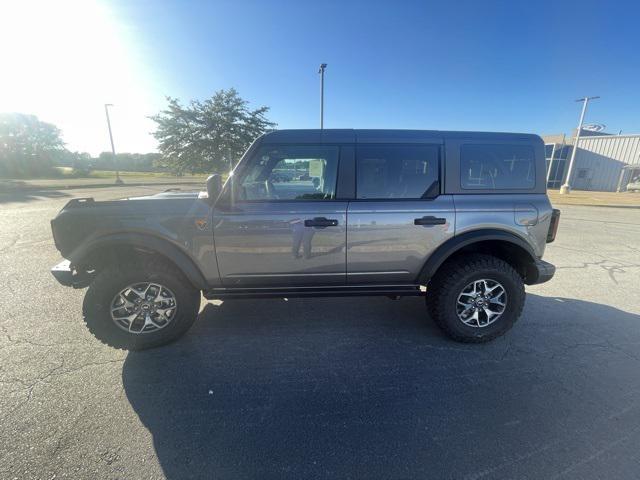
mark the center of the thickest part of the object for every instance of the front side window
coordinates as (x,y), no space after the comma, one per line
(497,167)
(396,171)
(291,172)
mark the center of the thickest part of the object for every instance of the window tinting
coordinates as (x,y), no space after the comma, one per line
(497,167)
(304,172)
(396,171)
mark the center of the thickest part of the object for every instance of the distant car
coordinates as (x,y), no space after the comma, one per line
(461,217)
(280,177)
(634,186)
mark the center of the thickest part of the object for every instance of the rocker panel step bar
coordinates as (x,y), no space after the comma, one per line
(340,291)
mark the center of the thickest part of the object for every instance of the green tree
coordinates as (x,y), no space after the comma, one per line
(208,136)
(28,146)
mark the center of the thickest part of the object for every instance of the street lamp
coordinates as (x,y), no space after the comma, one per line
(113,148)
(321,72)
(566,188)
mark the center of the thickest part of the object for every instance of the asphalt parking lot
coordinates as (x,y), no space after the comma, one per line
(326,388)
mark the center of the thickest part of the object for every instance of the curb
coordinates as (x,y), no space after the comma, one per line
(32,188)
(593,205)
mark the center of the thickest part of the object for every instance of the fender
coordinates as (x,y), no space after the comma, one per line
(458,242)
(145,242)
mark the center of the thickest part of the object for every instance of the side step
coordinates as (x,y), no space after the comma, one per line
(340,291)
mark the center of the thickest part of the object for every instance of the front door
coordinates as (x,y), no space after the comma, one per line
(398,217)
(282,224)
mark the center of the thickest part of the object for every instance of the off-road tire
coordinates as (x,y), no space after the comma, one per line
(111,280)
(451,279)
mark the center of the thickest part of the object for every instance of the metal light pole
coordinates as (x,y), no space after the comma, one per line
(566,188)
(113,148)
(321,72)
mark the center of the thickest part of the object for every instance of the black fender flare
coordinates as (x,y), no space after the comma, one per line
(145,242)
(451,246)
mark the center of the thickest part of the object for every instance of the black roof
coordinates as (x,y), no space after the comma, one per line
(380,136)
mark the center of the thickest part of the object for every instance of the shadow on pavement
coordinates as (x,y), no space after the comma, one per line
(30,195)
(369,388)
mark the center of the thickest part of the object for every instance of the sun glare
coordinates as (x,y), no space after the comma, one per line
(63,60)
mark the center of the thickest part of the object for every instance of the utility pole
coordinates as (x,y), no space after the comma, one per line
(113,148)
(566,188)
(321,72)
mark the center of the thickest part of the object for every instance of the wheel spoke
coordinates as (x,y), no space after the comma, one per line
(132,321)
(158,297)
(148,320)
(490,314)
(146,290)
(165,312)
(496,301)
(136,292)
(476,317)
(126,304)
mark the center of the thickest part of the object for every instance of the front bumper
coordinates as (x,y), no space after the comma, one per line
(540,272)
(68,276)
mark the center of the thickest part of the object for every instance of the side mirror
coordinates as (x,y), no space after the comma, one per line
(214,187)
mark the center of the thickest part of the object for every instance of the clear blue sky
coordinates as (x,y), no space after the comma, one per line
(474,65)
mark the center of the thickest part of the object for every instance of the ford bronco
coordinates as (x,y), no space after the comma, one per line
(459,217)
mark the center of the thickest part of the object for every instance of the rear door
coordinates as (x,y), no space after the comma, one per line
(398,216)
(283,224)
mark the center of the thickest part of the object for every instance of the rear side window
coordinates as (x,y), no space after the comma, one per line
(497,167)
(396,171)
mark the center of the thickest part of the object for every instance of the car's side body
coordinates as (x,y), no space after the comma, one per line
(462,216)
(246,246)
(382,244)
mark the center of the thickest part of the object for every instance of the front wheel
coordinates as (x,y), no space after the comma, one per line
(140,306)
(476,298)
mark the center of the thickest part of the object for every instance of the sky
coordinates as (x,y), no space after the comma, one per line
(446,65)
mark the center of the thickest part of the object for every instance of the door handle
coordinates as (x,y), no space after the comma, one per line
(321,222)
(430,221)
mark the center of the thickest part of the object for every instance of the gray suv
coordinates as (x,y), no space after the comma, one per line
(459,217)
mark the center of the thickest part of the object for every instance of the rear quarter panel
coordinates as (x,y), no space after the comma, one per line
(525,215)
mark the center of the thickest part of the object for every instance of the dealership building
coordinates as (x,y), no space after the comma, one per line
(603,162)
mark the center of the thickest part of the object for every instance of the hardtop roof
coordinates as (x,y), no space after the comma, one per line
(389,135)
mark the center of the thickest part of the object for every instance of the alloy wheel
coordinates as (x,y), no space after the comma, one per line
(143,308)
(481,303)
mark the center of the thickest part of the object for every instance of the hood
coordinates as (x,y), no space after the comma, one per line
(163,214)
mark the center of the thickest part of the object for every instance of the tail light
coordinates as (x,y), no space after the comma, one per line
(553,226)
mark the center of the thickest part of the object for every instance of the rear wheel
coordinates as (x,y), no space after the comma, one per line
(476,298)
(140,306)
